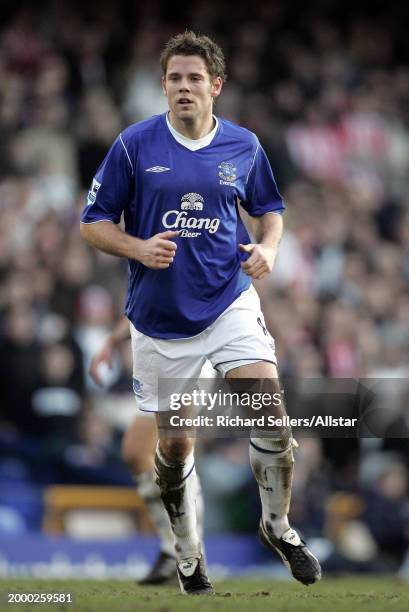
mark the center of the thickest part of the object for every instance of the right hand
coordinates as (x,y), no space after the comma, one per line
(104,355)
(159,251)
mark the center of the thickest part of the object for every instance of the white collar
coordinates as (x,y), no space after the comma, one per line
(190,143)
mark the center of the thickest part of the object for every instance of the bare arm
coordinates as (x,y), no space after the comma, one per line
(107,237)
(268,230)
(120,333)
(157,252)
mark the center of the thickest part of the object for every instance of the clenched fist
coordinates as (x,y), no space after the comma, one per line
(158,252)
(260,262)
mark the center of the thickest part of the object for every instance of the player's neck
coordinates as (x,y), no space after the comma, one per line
(192,129)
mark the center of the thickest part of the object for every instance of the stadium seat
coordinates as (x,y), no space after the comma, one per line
(59,500)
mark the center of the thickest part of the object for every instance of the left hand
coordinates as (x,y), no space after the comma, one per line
(104,355)
(260,262)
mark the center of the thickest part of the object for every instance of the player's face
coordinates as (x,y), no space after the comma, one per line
(189,88)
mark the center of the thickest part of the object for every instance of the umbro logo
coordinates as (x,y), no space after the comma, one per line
(157,169)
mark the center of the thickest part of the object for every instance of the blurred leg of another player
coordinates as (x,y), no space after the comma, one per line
(138,452)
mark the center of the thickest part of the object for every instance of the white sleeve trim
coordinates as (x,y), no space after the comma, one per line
(252,163)
(98,221)
(127,154)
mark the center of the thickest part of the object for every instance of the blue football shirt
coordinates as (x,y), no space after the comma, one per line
(159,184)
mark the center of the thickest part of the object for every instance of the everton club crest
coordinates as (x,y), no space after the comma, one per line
(227,173)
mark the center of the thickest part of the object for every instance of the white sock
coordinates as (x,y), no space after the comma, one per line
(199,508)
(178,484)
(272,464)
(150,493)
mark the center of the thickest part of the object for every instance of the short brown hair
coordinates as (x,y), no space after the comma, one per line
(190,43)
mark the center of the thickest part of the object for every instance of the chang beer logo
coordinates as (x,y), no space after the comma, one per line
(192,201)
(185,222)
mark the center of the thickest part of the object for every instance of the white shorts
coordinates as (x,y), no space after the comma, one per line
(238,337)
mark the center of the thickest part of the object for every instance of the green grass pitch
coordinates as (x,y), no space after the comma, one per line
(352,594)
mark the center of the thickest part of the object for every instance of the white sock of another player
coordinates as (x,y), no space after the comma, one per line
(272,463)
(199,509)
(178,484)
(150,493)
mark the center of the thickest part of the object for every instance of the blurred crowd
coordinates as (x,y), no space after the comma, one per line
(326,90)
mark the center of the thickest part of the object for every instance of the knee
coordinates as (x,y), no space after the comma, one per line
(281,443)
(138,445)
(175,449)
(128,454)
(136,461)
